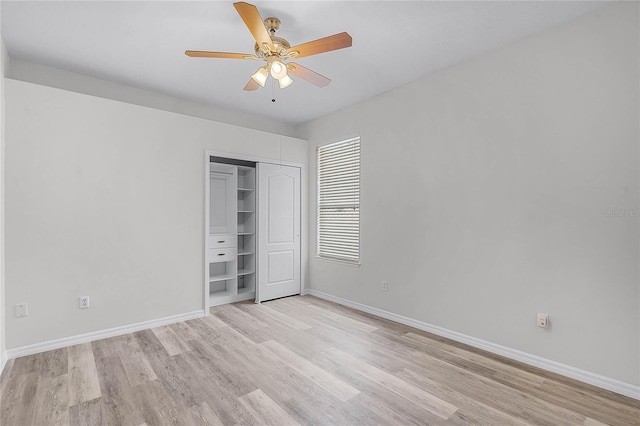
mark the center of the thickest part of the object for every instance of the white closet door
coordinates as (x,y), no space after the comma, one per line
(278,232)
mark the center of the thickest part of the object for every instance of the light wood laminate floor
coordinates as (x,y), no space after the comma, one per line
(298,360)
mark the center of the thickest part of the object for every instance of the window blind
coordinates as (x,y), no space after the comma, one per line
(339,201)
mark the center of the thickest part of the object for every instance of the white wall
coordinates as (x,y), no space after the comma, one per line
(485,189)
(53,77)
(4,64)
(106,199)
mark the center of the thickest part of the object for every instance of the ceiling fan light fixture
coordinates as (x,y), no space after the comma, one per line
(278,69)
(260,76)
(285,81)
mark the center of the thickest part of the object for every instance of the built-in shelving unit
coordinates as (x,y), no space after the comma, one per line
(232,228)
(246,211)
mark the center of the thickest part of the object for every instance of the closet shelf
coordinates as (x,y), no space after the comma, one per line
(246,290)
(246,211)
(244,253)
(221,278)
(245,189)
(245,272)
(246,233)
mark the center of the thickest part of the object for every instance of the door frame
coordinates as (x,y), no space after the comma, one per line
(205,212)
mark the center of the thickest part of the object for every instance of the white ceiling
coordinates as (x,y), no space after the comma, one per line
(142,44)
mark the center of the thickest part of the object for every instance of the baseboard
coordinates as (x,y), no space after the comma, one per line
(97,335)
(603,382)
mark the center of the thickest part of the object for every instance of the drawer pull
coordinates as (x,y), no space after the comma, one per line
(220,241)
(221,254)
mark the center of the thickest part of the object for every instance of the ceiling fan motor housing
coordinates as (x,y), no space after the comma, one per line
(272,25)
(281,45)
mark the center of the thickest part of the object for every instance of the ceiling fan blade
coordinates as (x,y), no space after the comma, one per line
(225,55)
(252,19)
(306,74)
(251,85)
(326,44)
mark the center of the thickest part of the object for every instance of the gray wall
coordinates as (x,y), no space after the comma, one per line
(106,199)
(486,190)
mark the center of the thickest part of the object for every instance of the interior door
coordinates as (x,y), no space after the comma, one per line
(278,232)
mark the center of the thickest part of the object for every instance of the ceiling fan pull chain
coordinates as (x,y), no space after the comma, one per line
(273,90)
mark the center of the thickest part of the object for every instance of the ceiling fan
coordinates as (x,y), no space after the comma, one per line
(276,51)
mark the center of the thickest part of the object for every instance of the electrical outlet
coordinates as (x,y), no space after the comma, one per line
(385,286)
(22,310)
(543,320)
(84,302)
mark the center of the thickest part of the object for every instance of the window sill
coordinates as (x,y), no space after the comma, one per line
(339,262)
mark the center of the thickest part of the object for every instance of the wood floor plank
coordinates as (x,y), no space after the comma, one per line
(265,410)
(382,353)
(320,377)
(51,402)
(170,340)
(83,375)
(157,407)
(167,371)
(183,330)
(220,363)
(591,405)
(6,375)
(26,365)
(494,394)
(118,398)
(412,393)
(524,377)
(428,351)
(18,399)
(245,324)
(86,413)
(391,407)
(263,310)
(370,319)
(135,363)
(202,414)
(592,422)
(213,321)
(337,318)
(204,329)
(217,391)
(291,390)
(298,360)
(54,363)
(481,413)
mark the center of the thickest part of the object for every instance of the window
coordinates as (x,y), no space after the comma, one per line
(339,201)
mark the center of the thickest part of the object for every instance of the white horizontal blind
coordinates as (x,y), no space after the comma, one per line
(339,201)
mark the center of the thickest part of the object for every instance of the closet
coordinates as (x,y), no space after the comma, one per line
(253,243)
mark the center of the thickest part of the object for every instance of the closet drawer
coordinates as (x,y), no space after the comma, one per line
(223,254)
(220,241)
